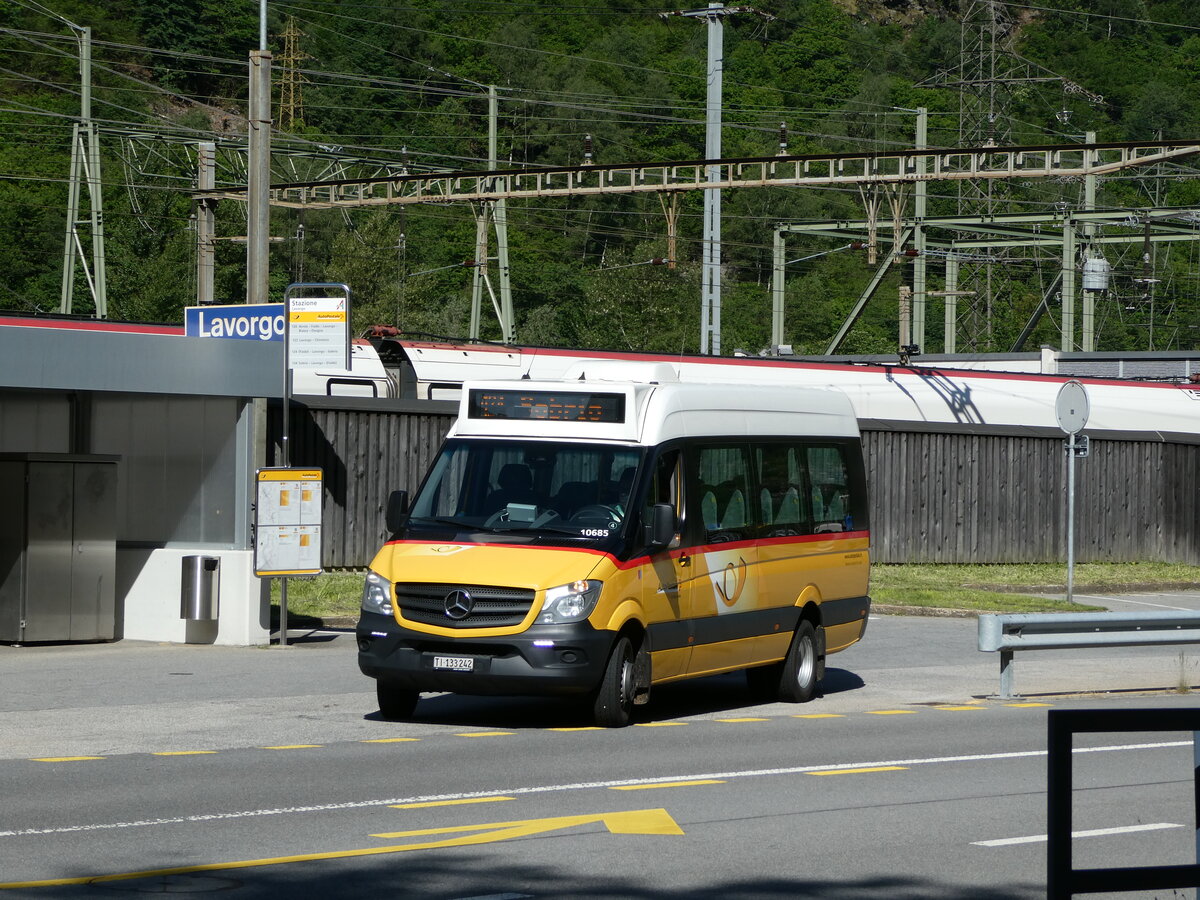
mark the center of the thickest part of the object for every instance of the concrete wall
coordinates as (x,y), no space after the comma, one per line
(149,587)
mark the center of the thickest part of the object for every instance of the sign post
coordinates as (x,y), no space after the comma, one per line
(1072,408)
(316,334)
(287,529)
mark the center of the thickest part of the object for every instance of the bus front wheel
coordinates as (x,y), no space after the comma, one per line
(395,703)
(612,704)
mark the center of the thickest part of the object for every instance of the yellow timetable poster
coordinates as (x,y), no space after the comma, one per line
(288,522)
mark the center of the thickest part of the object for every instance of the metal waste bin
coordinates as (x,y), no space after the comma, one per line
(199,598)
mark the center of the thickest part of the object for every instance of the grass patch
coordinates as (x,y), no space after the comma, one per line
(1012,588)
(976,588)
(323,596)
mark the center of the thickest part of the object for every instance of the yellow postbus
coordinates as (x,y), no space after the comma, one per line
(619,529)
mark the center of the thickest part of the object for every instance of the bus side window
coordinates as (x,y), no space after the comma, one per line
(798,497)
(830,495)
(779,498)
(727,470)
(664,485)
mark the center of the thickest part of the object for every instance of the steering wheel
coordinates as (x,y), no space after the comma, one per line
(595,512)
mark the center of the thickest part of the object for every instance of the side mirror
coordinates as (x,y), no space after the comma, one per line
(661,527)
(397,511)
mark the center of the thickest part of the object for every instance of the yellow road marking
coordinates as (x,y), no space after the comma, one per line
(662,784)
(484,733)
(820,716)
(182,752)
(293,747)
(388,740)
(64,758)
(748,719)
(642,821)
(859,771)
(891,712)
(658,724)
(582,728)
(450,802)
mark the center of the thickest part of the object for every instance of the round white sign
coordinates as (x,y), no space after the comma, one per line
(1072,407)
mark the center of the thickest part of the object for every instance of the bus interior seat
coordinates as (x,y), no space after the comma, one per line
(735,510)
(789,508)
(708,509)
(624,486)
(515,485)
(574,495)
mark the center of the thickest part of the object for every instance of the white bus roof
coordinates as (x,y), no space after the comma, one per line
(597,407)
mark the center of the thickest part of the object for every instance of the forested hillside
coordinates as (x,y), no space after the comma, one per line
(403,86)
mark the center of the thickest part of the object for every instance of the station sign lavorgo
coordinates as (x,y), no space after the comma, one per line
(246,322)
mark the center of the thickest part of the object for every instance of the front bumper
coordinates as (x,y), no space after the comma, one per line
(567,659)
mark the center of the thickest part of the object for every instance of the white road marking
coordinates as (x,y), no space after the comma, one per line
(1095,832)
(580,786)
(1133,602)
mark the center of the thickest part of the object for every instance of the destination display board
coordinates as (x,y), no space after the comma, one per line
(287,535)
(560,406)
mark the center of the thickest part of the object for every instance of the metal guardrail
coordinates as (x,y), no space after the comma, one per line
(1061,631)
(1063,880)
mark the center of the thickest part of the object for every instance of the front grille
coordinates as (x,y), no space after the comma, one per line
(493,607)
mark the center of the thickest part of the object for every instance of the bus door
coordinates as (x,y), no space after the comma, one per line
(725,590)
(667,585)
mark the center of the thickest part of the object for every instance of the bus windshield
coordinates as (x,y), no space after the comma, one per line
(551,490)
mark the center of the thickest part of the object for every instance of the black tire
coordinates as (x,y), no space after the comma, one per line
(612,704)
(801,668)
(396,704)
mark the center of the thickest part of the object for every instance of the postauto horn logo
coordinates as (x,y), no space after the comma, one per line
(243,322)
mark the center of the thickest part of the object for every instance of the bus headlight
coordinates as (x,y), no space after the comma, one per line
(572,602)
(377,595)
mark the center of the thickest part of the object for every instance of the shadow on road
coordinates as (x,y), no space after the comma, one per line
(392,875)
(696,697)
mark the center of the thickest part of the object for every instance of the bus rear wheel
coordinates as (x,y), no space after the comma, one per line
(612,704)
(395,703)
(802,666)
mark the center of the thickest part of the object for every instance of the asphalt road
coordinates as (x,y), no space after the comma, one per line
(265,773)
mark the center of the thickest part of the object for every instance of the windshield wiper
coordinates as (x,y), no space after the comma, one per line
(444,520)
(536,529)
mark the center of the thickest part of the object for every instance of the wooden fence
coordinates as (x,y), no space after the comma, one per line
(935,497)
(958,498)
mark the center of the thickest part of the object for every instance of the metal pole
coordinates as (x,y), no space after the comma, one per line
(777,287)
(1089,232)
(508,328)
(710,318)
(920,198)
(906,295)
(91,155)
(481,252)
(1059,741)
(70,248)
(1070,442)
(258,188)
(285,452)
(205,232)
(951,320)
(1068,285)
